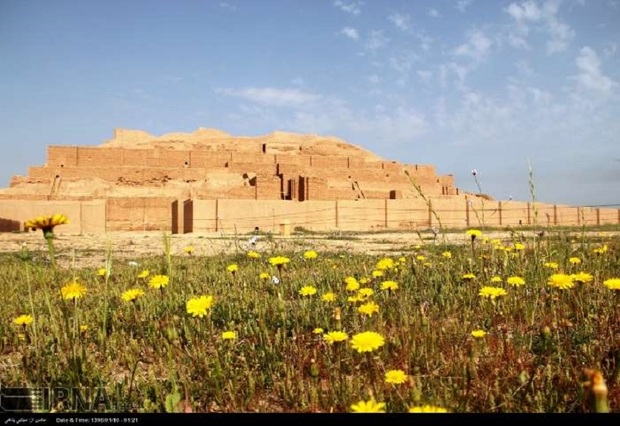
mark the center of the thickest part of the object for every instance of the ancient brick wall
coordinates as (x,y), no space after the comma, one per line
(139,214)
(212,188)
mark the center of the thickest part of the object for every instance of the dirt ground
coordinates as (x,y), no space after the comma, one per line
(90,250)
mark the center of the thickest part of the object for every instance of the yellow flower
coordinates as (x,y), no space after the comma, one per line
(492,292)
(574,261)
(368,308)
(73,291)
(389,285)
(447,254)
(421,258)
(519,246)
(365,292)
(377,273)
(307,290)
(427,409)
(355,299)
(582,277)
(264,276)
(101,272)
(551,265)
(229,335)
(612,283)
(402,260)
(561,281)
(496,279)
(385,263)
(310,254)
(197,306)
(144,274)
(253,255)
(328,297)
(474,233)
(351,283)
(335,336)
(478,334)
(279,260)
(83,329)
(515,281)
(601,250)
(232,268)
(395,377)
(159,281)
(367,341)
(46,223)
(317,330)
(189,250)
(370,406)
(132,294)
(468,276)
(23,320)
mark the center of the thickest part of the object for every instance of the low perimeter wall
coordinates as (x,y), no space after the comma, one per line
(184,216)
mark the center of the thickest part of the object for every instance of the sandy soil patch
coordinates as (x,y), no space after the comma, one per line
(90,250)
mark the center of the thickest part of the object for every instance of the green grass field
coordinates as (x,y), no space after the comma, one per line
(489,325)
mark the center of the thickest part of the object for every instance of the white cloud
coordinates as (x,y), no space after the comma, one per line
(271,96)
(398,125)
(403,62)
(352,7)
(402,21)
(374,79)
(546,17)
(350,32)
(540,97)
(590,76)
(526,11)
(376,40)
(518,39)
(477,47)
(460,72)
(228,5)
(462,5)
(425,41)
(433,13)
(561,36)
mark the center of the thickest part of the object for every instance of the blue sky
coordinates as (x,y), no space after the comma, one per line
(496,86)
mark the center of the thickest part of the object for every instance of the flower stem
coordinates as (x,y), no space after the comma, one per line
(49,237)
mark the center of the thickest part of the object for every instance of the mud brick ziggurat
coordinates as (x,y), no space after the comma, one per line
(209,180)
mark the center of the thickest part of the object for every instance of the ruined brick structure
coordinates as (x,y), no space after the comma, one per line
(210,164)
(210,180)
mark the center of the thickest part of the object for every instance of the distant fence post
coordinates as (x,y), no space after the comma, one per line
(467,211)
(555,214)
(430,213)
(499,210)
(598,216)
(385,211)
(337,221)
